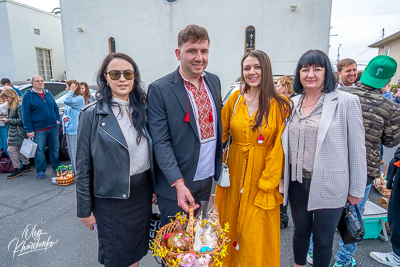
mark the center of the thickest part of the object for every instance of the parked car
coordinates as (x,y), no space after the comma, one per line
(234,87)
(54,87)
(61,136)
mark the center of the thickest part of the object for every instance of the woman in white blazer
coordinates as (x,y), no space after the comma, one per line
(325,160)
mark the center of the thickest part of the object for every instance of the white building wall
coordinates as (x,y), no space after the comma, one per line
(22,20)
(147,31)
(7,66)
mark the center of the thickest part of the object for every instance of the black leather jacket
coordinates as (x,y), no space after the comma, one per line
(102,158)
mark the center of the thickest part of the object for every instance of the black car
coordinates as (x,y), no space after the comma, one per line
(54,87)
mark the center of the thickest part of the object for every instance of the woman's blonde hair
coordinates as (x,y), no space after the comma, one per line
(10,92)
(287,81)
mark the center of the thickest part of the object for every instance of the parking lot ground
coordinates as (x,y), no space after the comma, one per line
(48,212)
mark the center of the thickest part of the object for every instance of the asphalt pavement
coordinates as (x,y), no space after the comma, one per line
(36,212)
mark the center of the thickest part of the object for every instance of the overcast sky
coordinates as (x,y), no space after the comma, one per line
(357,23)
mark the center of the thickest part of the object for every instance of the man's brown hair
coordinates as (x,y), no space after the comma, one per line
(192,33)
(343,63)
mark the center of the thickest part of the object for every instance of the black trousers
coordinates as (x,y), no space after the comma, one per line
(169,208)
(321,222)
(394,214)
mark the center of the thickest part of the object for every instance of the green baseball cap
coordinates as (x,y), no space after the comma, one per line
(379,71)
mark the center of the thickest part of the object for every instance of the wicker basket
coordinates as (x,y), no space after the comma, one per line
(380,184)
(171,256)
(65,178)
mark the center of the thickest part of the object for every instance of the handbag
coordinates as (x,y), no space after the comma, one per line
(5,162)
(28,148)
(351,230)
(225,178)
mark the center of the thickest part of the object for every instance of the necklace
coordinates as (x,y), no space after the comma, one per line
(308,105)
(129,116)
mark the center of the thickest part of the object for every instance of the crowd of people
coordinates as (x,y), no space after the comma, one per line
(313,142)
(35,115)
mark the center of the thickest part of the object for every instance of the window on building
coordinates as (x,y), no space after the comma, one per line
(111,45)
(45,66)
(36,31)
(250,39)
(387,50)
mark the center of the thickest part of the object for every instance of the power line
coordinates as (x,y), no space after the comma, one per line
(366,49)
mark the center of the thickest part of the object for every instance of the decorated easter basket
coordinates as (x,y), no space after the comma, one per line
(176,258)
(65,176)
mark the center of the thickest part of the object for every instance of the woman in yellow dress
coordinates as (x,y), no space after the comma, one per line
(251,203)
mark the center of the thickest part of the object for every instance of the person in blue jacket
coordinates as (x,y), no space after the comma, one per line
(40,116)
(7,82)
(74,101)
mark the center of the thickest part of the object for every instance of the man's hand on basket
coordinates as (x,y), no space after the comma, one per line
(184,196)
(89,221)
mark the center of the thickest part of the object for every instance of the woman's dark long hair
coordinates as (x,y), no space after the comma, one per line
(315,58)
(267,89)
(137,97)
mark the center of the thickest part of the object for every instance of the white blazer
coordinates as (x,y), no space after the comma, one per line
(340,165)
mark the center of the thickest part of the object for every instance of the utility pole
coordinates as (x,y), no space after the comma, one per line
(338,55)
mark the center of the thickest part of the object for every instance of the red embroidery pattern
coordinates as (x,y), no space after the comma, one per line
(204,109)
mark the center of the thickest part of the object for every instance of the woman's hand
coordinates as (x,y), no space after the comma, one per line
(4,120)
(65,119)
(73,87)
(354,200)
(155,200)
(88,222)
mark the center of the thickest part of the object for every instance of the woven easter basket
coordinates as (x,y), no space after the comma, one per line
(172,256)
(65,176)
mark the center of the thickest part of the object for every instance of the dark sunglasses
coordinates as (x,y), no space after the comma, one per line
(115,74)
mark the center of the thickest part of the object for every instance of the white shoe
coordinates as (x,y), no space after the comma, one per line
(388,259)
(310,259)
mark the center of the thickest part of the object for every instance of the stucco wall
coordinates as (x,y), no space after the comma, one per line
(395,54)
(21,40)
(7,67)
(147,31)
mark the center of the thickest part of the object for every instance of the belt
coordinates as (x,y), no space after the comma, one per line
(307,174)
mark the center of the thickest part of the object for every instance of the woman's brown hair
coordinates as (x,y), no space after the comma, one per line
(10,92)
(78,90)
(86,94)
(267,90)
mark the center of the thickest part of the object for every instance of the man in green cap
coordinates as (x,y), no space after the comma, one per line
(381,122)
(381,119)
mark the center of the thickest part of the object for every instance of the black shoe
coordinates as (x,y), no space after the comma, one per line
(16,173)
(284,216)
(26,168)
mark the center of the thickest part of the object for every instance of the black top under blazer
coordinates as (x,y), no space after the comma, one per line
(176,143)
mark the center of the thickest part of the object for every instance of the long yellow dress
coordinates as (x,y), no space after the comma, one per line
(255,169)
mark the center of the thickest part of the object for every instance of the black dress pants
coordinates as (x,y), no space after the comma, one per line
(394,214)
(321,222)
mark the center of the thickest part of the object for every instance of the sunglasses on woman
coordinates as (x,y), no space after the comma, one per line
(115,74)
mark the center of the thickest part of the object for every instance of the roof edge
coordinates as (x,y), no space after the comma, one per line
(30,7)
(385,40)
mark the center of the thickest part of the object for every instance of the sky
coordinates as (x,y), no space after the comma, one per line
(357,24)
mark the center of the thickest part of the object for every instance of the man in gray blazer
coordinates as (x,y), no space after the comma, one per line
(184,115)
